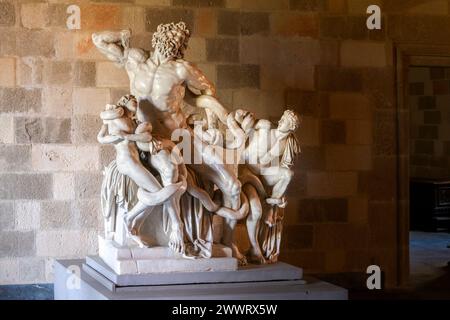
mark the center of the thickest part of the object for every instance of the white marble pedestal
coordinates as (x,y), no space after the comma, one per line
(124,260)
(94,280)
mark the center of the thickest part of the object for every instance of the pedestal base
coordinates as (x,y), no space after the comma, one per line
(99,270)
(77,280)
(128,261)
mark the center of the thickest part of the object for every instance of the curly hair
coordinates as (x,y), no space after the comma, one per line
(128,101)
(293,118)
(171,39)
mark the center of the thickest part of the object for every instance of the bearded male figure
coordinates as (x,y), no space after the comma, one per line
(158,80)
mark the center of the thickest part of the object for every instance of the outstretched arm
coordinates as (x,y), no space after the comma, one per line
(142,133)
(114,45)
(195,80)
(274,152)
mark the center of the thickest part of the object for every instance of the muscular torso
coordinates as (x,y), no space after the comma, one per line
(160,92)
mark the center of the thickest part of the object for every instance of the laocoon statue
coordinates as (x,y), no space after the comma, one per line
(201,194)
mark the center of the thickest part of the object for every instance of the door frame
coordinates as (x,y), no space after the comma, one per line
(406,56)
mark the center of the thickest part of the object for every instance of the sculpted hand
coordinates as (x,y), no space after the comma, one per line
(125,36)
(155,146)
(176,241)
(121,135)
(103,131)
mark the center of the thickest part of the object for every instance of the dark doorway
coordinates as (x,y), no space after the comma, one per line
(428,101)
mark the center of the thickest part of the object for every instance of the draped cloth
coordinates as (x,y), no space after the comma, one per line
(197,223)
(270,236)
(291,151)
(117,190)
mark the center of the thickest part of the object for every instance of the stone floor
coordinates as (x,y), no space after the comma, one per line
(429,257)
(430,265)
(429,270)
(27,292)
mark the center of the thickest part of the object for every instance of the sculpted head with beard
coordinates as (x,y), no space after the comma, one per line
(170,40)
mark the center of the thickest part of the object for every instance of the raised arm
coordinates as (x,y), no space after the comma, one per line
(236,131)
(114,45)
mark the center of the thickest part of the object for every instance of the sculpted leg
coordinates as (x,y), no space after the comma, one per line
(140,175)
(231,200)
(138,212)
(279,178)
(136,216)
(231,190)
(225,178)
(163,163)
(285,177)
(228,231)
(139,219)
(168,170)
(253,223)
(176,240)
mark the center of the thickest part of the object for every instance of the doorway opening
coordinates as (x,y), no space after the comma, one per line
(423,116)
(429,169)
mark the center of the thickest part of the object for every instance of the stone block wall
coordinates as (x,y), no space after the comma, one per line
(316,56)
(429,101)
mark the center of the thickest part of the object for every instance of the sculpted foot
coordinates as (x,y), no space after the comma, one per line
(270,219)
(176,241)
(133,233)
(256,257)
(129,224)
(273,258)
(242,260)
(139,241)
(279,202)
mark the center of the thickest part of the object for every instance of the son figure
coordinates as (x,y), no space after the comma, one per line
(121,129)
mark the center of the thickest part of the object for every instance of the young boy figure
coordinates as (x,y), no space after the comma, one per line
(120,129)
